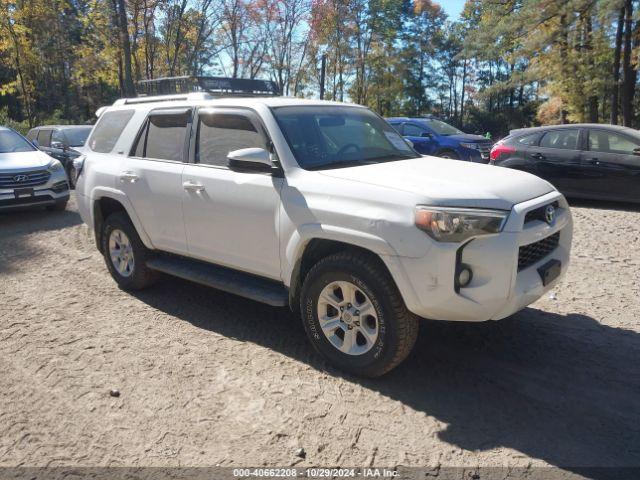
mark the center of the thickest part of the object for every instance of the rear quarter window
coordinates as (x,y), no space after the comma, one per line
(530,139)
(108,130)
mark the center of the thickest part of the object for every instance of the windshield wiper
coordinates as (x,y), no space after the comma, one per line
(341,163)
(360,163)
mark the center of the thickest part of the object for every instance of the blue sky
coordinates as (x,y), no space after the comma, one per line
(452,7)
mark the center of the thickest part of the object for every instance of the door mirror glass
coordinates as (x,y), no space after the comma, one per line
(250,160)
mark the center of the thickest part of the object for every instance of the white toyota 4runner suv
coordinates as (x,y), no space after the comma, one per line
(320,206)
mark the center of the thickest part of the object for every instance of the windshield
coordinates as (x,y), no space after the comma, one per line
(441,128)
(11,142)
(77,136)
(323,137)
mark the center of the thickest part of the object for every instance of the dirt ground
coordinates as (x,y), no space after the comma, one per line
(207,378)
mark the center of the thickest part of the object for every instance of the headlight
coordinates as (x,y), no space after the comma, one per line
(55,166)
(459,224)
(472,146)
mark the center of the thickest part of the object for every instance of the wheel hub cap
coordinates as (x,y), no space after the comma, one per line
(348,318)
(121,253)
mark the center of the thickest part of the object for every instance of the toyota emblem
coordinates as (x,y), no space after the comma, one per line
(21,178)
(550,214)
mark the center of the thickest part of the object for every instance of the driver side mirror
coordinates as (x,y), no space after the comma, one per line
(636,151)
(250,160)
(58,145)
(426,135)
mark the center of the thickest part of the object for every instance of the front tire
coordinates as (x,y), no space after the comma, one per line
(354,315)
(450,154)
(125,254)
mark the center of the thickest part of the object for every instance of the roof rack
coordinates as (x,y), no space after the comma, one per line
(215,86)
(163,98)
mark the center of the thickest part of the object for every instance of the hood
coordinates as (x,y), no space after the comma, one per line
(467,137)
(23,161)
(450,182)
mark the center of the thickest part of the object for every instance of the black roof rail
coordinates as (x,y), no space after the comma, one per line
(216,86)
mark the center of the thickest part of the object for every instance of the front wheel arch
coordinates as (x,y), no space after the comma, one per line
(315,250)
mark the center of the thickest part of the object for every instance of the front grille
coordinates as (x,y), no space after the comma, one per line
(24,179)
(532,253)
(539,213)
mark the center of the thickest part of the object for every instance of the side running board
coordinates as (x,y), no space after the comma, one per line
(225,279)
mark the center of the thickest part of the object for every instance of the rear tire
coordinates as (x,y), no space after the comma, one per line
(125,254)
(377,341)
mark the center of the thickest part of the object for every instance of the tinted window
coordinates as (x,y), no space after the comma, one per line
(411,130)
(58,136)
(339,136)
(11,141)
(561,139)
(77,136)
(108,130)
(530,139)
(44,138)
(609,142)
(163,136)
(441,128)
(221,133)
(397,126)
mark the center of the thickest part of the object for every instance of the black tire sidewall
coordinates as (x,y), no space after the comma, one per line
(451,155)
(382,353)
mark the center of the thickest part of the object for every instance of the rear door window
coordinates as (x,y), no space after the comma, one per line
(44,138)
(108,130)
(164,135)
(561,139)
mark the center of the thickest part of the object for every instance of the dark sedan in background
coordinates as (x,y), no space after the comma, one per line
(582,161)
(61,142)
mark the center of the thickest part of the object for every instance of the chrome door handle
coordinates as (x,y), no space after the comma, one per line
(129,177)
(193,187)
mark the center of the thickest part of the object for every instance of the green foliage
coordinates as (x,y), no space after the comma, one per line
(7,121)
(504,64)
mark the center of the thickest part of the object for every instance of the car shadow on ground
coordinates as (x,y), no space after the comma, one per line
(562,388)
(25,222)
(16,225)
(604,205)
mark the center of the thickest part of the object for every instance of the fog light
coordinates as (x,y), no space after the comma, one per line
(464,276)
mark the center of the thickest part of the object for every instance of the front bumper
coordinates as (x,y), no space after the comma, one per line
(498,289)
(55,190)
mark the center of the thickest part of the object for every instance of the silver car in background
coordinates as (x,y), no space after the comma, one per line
(29,177)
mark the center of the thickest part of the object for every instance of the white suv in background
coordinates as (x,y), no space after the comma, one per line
(320,206)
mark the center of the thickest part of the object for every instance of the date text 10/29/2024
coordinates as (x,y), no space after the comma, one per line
(315,472)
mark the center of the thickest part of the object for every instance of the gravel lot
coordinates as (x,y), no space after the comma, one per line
(207,378)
